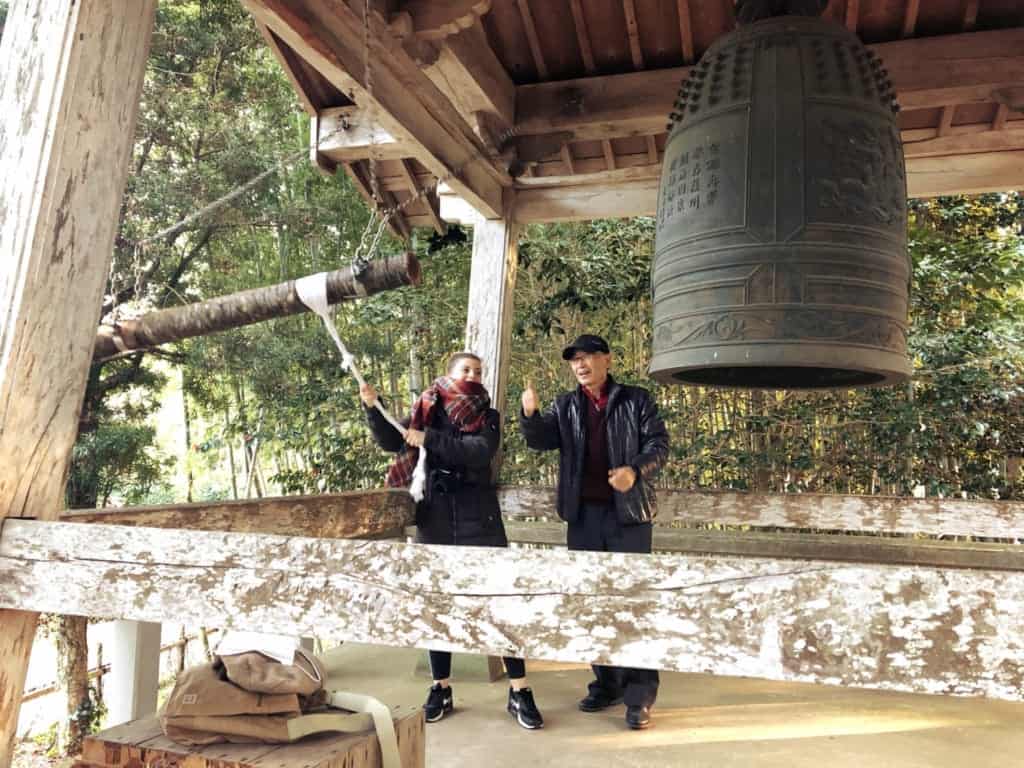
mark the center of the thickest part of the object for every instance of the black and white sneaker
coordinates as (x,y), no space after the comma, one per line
(439,703)
(522,707)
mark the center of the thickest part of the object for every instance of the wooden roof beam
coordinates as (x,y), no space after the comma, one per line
(633,30)
(927,72)
(429,199)
(686,29)
(926,177)
(531,36)
(404,102)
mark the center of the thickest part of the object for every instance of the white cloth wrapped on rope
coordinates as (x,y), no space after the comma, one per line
(312,291)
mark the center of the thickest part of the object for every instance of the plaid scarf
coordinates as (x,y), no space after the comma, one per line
(465,402)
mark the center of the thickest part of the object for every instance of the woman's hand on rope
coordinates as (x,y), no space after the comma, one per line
(415,437)
(368,395)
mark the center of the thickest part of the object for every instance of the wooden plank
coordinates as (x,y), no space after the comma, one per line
(428,199)
(910,17)
(73,73)
(609,154)
(971,14)
(901,628)
(946,119)
(587,201)
(686,30)
(347,134)
(927,72)
(351,515)
(806,546)
(492,282)
(330,37)
(566,154)
(142,742)
(582,36)
(633,32)
(585,173)
(361,182)
(652,150)
(867,514)
(469,73)
(852,12)
(967,173)
(959,143)
(999,121)
(536,51)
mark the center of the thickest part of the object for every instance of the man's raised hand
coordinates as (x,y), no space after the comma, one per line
(530,402)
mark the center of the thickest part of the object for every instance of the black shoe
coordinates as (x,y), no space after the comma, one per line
(522,707)
(595,702)
(439,703)
(638,718)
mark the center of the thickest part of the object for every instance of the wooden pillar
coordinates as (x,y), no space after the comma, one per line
(72,73)
(134,671)
(492,283)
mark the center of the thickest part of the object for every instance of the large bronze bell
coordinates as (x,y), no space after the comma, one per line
(780,255)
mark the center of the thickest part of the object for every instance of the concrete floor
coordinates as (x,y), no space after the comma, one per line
(700,721)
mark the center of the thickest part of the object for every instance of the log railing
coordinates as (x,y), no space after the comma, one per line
(938,617)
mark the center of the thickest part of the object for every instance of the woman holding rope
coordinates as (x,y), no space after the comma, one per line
(453,420)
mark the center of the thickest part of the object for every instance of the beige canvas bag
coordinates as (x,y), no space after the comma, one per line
(250,697)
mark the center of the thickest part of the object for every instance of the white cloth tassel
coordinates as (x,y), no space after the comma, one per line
(418,486)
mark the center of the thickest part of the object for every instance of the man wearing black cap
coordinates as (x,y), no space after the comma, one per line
(612,444)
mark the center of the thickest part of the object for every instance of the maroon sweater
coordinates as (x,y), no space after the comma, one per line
(596,489)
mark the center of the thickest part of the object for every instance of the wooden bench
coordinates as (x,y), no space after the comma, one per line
(142,744)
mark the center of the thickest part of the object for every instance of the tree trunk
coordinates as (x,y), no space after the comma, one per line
(73,674)
(247,307)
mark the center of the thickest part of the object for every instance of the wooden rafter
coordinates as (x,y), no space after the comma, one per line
(531,35)
(329,36)
(566,154)
(582,36)
(652,149)
(946,119)
(910,18)
(929,72)
(360,178)
(852,12)
(685,30)
(633,31)
(609,154)
(999,121)
(429,200)
(971,14)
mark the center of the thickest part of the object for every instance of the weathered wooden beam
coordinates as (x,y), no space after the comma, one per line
(432,20)
(329,36)
(351,515)
(71,77)
(346,134)
(929,176)
(469,73)
(247,307)
(428,200)
(901,628)
(875,550)
(926,72)
(866,514)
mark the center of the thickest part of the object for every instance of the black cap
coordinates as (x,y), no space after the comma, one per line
(585,343)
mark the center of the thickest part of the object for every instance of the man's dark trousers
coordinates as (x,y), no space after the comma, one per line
(599,530)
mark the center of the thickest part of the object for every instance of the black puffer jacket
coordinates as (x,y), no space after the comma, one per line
(461,504)
(636,437)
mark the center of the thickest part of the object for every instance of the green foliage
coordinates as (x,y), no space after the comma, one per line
(217,111)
